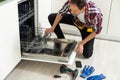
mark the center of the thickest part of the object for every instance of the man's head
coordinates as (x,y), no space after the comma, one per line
(77,6)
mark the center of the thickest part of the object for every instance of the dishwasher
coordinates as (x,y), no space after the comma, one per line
(38,47)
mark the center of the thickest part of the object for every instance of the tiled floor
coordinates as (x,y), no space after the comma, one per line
(106,60)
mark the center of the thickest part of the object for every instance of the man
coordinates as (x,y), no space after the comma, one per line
(85,16)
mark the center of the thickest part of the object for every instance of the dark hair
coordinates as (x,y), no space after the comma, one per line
(79,3)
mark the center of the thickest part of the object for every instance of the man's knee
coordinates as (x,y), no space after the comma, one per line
(87,54)
(88,49)
(51,17)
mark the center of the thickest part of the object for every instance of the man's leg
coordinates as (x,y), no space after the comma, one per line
(88,47)
(67,19)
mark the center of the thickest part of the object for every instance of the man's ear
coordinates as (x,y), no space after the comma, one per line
(83,8)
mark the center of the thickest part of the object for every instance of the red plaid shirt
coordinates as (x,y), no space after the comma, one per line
(93,16)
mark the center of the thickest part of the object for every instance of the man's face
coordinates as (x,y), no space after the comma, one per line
(74,9)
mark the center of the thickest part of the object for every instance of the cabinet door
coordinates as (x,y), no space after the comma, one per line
(9,38)
(114,23)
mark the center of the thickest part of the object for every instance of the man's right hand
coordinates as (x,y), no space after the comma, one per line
(49,30)
(80,48)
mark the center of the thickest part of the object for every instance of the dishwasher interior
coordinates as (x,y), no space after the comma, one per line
(35,45)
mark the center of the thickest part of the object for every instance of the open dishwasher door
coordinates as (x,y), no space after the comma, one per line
(52,50)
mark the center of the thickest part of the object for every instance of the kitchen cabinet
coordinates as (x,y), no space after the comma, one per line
(9,38)
(114,26)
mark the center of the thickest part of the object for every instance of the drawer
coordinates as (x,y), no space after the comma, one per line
(52,50)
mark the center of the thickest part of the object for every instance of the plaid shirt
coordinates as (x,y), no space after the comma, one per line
(93,16)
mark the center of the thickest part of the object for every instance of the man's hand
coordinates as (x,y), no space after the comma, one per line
(49,30)
(79,49)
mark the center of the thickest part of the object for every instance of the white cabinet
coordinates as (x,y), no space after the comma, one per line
(114,23)
(9,38)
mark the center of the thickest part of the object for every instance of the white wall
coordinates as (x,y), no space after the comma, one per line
(114,24)
(44,9)
(56,5)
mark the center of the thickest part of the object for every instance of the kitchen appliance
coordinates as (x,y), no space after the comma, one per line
(36,46)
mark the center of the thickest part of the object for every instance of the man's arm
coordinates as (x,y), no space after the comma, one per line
(88,38)
(61,13)
(57,20)
(96,27)
(80,46)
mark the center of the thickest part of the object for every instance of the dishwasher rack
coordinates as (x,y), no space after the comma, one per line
(43,46)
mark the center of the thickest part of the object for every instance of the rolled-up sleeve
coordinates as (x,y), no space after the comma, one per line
(65,9)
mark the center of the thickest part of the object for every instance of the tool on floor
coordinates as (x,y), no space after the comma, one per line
(65,69)
(57,76)
(87,70)
(78,64)
(96,77)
